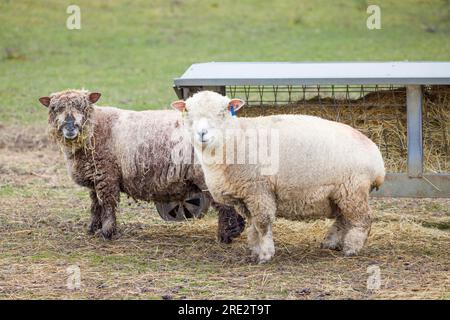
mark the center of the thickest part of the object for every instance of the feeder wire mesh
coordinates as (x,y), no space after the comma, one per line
(379,111)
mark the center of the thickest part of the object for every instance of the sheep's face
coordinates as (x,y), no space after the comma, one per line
(206,115)
(69,114)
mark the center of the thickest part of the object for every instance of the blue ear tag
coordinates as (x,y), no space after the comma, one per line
(233,113)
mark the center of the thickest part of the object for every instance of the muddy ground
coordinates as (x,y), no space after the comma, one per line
(44,217)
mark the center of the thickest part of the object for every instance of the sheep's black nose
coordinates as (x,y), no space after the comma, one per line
(69,123)
(70,126)
(202,133)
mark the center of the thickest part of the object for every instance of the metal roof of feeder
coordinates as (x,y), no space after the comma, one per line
(314,73)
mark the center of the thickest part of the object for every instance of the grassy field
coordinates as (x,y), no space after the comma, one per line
(131,51)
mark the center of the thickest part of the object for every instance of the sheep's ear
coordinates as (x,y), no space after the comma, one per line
(45,101)
(179,105)
(94,96)
(236,104)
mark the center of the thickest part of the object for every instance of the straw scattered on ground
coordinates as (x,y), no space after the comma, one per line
(44,217)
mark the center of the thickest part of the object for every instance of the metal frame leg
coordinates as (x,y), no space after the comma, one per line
(414,127)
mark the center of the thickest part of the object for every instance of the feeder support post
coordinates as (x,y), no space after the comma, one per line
(186,92)
(414,126)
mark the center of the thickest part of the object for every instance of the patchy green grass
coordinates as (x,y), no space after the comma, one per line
(131,50)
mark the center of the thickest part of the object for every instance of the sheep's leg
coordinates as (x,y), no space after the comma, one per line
(266,245)
(260,240)
(253,240)
(252,232)
(96,214)
(231,224)
(355,238)
(108,194)
(109,222)
(356,218)
(335,236)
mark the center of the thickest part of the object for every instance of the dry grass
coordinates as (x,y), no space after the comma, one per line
(381,115)
(44,216)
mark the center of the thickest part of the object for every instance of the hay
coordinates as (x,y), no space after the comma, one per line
(381,115)
(44,217)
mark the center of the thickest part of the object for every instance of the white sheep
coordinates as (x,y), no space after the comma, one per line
(322,169)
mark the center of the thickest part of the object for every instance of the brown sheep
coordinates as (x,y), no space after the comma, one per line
(109,151)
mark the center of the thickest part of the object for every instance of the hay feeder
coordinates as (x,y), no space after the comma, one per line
(404,107)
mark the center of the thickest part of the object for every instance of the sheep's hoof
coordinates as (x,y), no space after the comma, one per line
(331,245)
(354,241)
(107,235)
(266,255)
(108,230)
(93,228)
(264,259)
(254,255)
(350,252)
(225,239)
(260,258)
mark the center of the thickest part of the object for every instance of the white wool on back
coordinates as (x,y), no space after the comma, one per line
(315,151)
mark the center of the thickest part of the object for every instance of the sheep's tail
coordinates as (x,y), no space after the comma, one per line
(377,183)
(379,173)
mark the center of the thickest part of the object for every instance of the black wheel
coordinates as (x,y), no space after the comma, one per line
(194,206)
